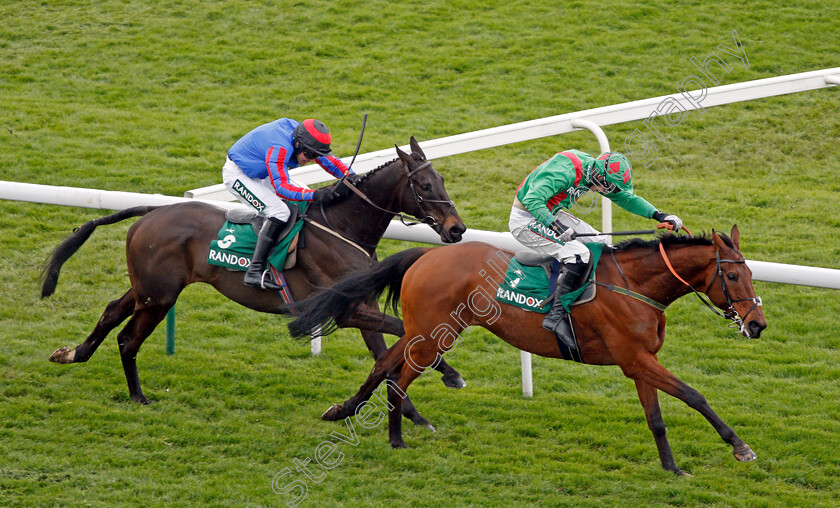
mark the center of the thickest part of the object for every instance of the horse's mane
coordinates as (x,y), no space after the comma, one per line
(370,173)
(669,239)
(361,180)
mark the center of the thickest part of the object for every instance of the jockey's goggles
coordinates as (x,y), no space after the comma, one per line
(309,154)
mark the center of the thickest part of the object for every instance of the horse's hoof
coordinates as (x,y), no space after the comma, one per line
(142,400)
(683,473)
(744,454)
(455,381)
(422,422)
(63,355)
(331,414)
(399,444)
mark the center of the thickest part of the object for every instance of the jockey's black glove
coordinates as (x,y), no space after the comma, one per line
(323,195)
(353,178)
(564,233)
(341,191)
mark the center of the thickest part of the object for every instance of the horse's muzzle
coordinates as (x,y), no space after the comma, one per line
(754,329)
(453,234)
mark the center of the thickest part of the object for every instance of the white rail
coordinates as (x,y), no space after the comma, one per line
(116,200)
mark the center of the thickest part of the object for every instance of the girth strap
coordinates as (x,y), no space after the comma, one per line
(632,294)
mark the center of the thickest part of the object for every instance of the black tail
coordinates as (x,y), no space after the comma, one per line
(340,301)
(52,265)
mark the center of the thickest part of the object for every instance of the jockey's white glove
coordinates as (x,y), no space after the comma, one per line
(675,222)
(567,236)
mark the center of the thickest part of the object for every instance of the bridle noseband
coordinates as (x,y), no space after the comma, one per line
(427,219)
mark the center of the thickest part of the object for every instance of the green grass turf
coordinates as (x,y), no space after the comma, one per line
(147,97)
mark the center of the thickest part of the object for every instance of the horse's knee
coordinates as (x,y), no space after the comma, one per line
(657,426)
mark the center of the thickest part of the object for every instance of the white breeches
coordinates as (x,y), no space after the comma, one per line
(257,193)
(533,234)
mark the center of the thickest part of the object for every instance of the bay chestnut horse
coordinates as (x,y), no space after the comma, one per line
(447,289)
(167,249)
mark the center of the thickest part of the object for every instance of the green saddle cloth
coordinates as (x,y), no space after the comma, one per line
(235,245)
(528,287)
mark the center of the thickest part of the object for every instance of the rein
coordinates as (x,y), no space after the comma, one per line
(329,227)
(333,232)
(729,312)
(428,219)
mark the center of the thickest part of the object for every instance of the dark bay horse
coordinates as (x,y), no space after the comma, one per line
(167,249)
(446,289)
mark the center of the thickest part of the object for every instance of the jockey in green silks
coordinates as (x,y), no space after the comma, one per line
(540,219)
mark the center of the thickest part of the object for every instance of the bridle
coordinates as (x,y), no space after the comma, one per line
(729,311)
(418,199)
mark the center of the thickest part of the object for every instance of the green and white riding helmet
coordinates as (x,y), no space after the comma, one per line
(613,171)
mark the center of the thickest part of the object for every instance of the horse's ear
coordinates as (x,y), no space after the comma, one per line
(735,235)
(719,243)
(415,148)
(404,157)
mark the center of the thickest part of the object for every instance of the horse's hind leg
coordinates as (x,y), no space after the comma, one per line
(425,354)
(376,344)
(115,313)
(130,338)
(451,377)
(384,364)
(370,318)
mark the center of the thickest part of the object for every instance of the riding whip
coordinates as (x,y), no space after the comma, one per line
(663,225)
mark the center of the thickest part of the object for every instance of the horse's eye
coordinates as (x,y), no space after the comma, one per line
(732,276)
(426,187)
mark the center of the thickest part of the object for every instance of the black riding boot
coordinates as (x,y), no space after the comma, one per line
(257,274)
(557,320)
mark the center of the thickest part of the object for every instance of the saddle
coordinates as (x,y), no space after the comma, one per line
(237,239)
(530,282)
(245,216)
(553,270)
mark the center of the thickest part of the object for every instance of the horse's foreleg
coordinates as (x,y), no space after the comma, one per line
(115,313)
(645,368)
(650,402)
(131,337)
